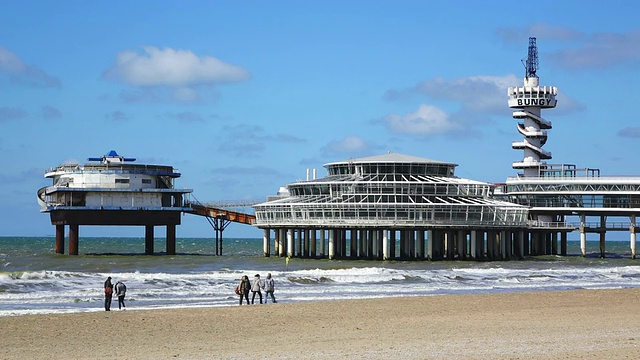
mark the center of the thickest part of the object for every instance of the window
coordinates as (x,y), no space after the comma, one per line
(146,181)
(122,181)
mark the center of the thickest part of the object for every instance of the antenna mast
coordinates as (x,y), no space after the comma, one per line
(532,59)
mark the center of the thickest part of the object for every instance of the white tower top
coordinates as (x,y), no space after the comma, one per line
(527,101)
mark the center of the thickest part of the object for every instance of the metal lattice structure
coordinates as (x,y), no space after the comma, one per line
(389,191)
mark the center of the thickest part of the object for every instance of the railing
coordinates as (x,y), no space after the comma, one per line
(607,225)
(117,169)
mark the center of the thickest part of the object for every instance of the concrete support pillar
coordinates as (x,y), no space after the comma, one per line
(353,244)
(429,252)
(323,244)
(314,241)
(341,243)
(450,244)
(299,246)
(632,236)
(520,241)
(473,246)
(148,239)
(392,244)
(307,243)
(171,239)
(362,244)
(276,242)
(402,245)
(266,242)
(478,248)
(554,243)
(332,245)
(505,244)
(282,240)
(583,243)
(438,244)
(583,236)
(603,231)
(366,240)
(290,242)
(411,239)
(420,244)
(73,239)
(375,248)
(563,243)
(535,243)
(461,248)
(385,244)
(59,239)
(491,245)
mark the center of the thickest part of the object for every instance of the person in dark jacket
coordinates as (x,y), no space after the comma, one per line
(108,294)
(121,290)
(243,288)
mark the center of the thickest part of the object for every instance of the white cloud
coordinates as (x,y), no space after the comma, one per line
(9,62)
(474,94)
(20,73)
(350,145)
(520,35)
(601,50)
(427,120)
(49,112)
(174,68)
(12,113)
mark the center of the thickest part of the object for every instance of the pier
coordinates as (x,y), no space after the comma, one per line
(383,207)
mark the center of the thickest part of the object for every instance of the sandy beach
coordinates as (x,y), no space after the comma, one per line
(577,324)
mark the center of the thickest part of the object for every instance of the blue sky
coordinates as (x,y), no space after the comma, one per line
(242,97)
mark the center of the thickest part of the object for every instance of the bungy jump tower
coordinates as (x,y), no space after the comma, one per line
(111,190)
(388,207)
(529,100)
(554,192)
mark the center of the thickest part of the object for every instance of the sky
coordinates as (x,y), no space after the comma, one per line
(242,97)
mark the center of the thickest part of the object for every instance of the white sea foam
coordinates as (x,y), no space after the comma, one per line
(67,291)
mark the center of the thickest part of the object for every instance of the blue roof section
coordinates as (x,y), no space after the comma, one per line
(111,154)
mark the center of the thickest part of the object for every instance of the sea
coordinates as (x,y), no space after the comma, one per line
(36,280)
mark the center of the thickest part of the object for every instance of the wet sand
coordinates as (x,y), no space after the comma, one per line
(577,324)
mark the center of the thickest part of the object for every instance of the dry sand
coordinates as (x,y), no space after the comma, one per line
(581,324)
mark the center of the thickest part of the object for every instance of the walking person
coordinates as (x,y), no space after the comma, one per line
(121,290)
(108,294)
(256,286)
(269,286)
(243,289)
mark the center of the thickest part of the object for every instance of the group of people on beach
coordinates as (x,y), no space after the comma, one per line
(120,290)
(256,286)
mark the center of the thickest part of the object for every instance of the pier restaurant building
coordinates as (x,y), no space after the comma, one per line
(113,190)
(391,206)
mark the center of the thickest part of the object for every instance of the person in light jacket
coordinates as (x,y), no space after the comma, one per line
(269,286)
(256,287)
